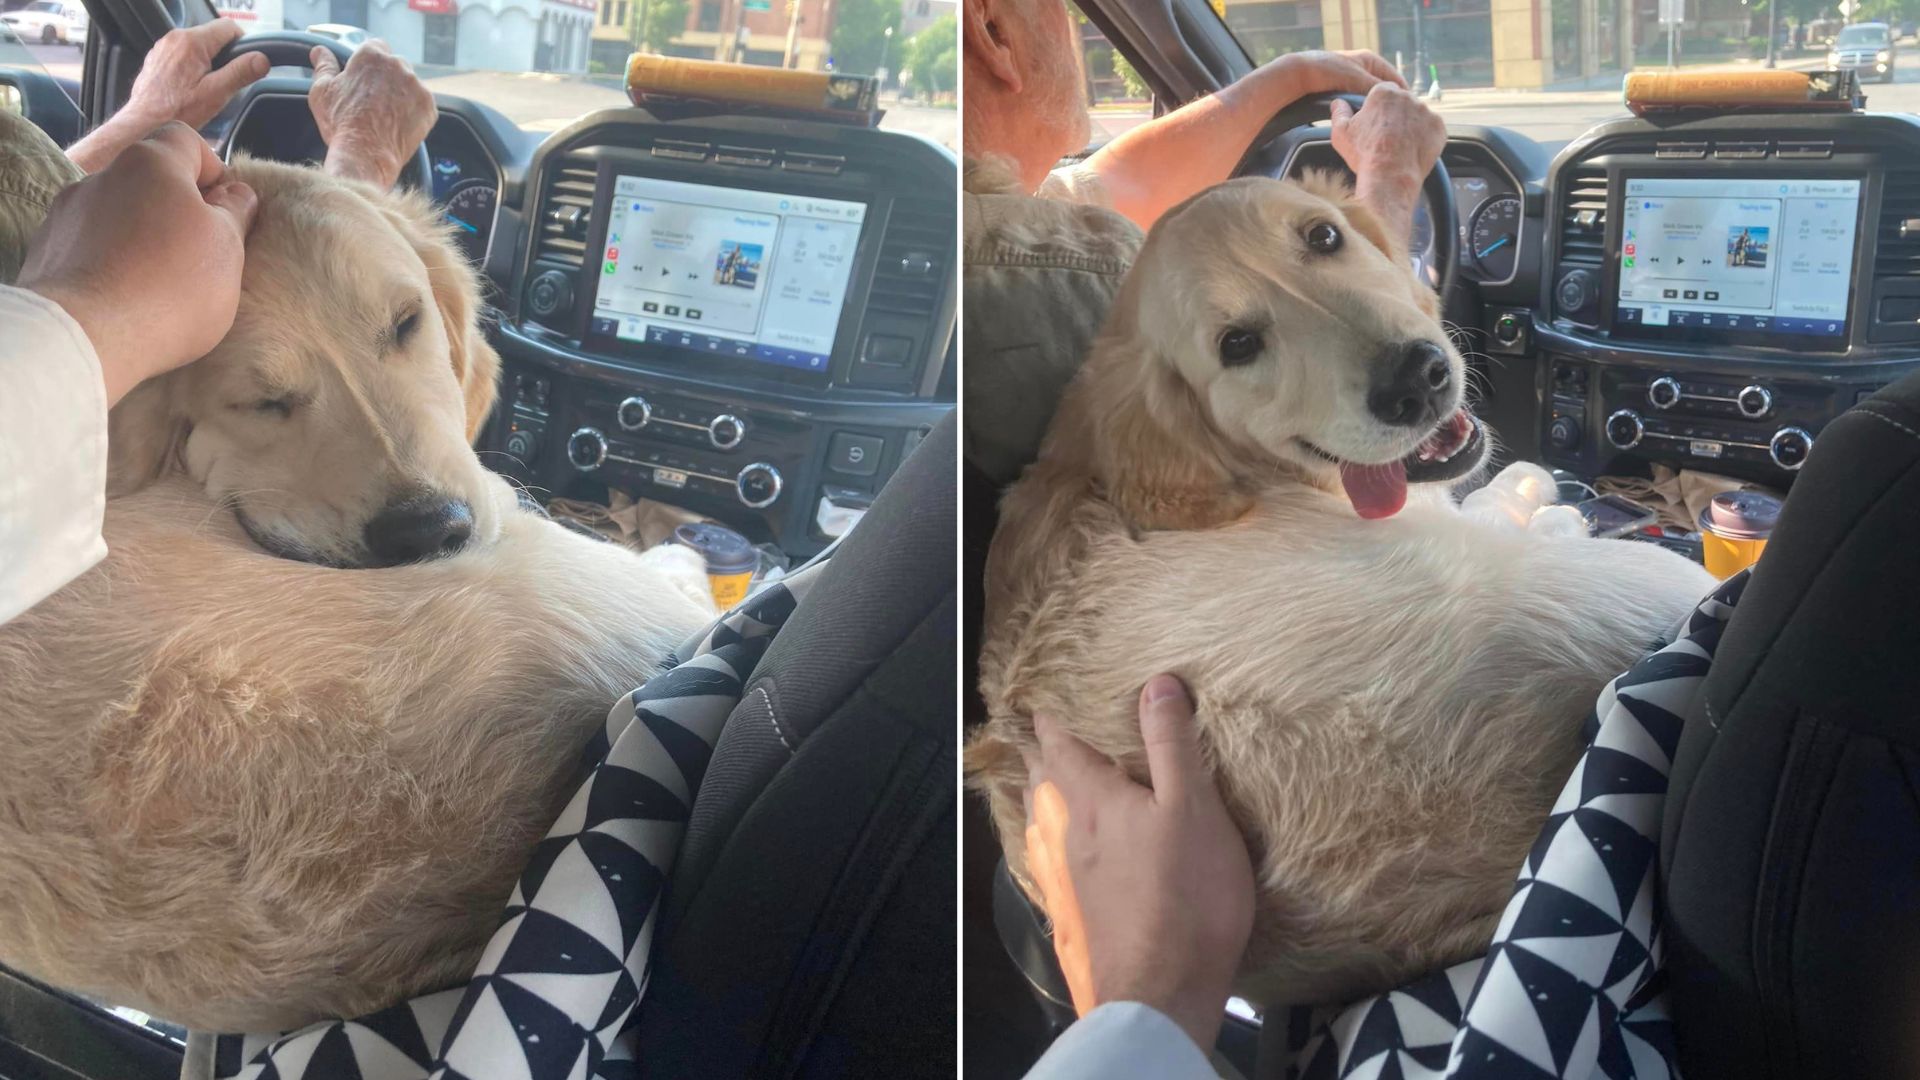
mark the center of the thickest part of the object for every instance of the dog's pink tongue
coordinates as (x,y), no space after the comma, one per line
(1377,491)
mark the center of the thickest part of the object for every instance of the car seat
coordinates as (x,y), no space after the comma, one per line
(1790,846)
(809,930)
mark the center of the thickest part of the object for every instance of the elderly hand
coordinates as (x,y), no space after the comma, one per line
(1391,145)
(373,115)
(146,256)
(176,82)
(1150,891)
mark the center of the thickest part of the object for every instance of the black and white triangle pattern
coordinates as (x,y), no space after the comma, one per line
(562,976)
(1571,986)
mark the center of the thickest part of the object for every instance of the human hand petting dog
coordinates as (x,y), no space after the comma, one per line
(176,82)
(1150,890)
(1391,145)
(373,115)
(146,256)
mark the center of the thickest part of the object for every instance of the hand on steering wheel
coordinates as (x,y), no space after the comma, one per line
(372,110)
(1382,147)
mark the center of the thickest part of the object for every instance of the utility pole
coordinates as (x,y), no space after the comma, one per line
(1773,31)
(1419,48)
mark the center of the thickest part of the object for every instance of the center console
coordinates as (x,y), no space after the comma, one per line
(1718,290)
(747,319)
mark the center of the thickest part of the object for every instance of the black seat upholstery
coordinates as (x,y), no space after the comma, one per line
(810,926)
(1791,840)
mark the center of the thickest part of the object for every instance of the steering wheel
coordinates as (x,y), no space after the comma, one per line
(1273,147)
(294,48)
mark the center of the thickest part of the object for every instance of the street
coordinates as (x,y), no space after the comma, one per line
(542,102)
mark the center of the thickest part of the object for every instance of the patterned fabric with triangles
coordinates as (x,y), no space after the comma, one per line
(562,976)
(1572,986)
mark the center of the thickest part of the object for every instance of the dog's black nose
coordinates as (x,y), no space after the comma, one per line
(418,528)
(1409,389)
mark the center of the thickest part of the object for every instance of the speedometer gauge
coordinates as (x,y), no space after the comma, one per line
(1495,237)
(470,208)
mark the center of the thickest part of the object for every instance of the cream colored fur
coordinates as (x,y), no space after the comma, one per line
(1390,706)
(245,792)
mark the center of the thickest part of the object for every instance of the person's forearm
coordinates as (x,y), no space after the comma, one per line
(1156,166)
(101,145)
(353,159)
(1392,199)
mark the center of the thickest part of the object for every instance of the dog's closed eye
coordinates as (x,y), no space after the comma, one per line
(404,328)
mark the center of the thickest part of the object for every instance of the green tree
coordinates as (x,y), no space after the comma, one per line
(655,23)
(1130,78)
(933,56)
(859,34)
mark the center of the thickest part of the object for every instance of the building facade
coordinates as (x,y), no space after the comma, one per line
(498,35)
(763,32)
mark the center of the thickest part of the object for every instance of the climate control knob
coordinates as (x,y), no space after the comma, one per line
(1754,402)
(1564,433)
(1624,429)
(587,449)
(1663,393)
(758,485)
(634,413)
(1789,448)
(725,431)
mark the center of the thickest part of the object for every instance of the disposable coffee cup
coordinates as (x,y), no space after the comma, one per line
(1734,529)
(731,559)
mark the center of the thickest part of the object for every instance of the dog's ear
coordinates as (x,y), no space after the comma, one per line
(456,293)
(144,434)
(1154,452)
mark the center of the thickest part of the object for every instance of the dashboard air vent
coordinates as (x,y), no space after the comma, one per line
(913,257)
(681,150)
(1583,222)
(1806,149)
(565,214)
(1680,150)
(1898,253)
(1740,150)
(752,157)
(821,164)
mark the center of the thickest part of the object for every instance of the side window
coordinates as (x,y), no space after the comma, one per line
(1117,97)
(1270,28)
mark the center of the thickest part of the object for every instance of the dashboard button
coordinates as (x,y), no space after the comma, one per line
(1663,393)
(726,431)
(758,485)
(1564,433)
(1754,402)
(634,413)
(855,455)
(1624,429)
(587,449)
(887,350)
(1789,448)
(549,294)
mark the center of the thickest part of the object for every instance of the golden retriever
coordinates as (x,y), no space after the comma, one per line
(247,787)
(1391,691)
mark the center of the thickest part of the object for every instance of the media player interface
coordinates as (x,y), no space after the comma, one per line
(749,274)
(1752,255)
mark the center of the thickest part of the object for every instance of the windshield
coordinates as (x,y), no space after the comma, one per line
(1862,35)
(1554,70)
(544,63)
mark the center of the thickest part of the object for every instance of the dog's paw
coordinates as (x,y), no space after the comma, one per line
(1557,521)
(684,568)
(1531,483)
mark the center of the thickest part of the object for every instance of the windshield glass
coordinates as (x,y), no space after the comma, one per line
(1862,35)
(1553,70)
(546,62)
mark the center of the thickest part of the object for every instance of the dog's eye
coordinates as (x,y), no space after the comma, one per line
(404,329)
(1239,347)
(281,407)
(1323,238)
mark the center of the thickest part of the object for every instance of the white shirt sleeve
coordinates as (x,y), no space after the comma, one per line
(1123,1038)
(53,451)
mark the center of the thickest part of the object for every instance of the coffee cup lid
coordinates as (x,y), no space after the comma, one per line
(1741,515)
(726,551)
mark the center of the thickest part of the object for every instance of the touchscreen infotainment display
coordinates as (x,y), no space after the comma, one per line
(752,275)
(1764,257)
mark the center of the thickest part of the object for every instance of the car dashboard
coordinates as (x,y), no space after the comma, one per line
(749,319)
(1701,293)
